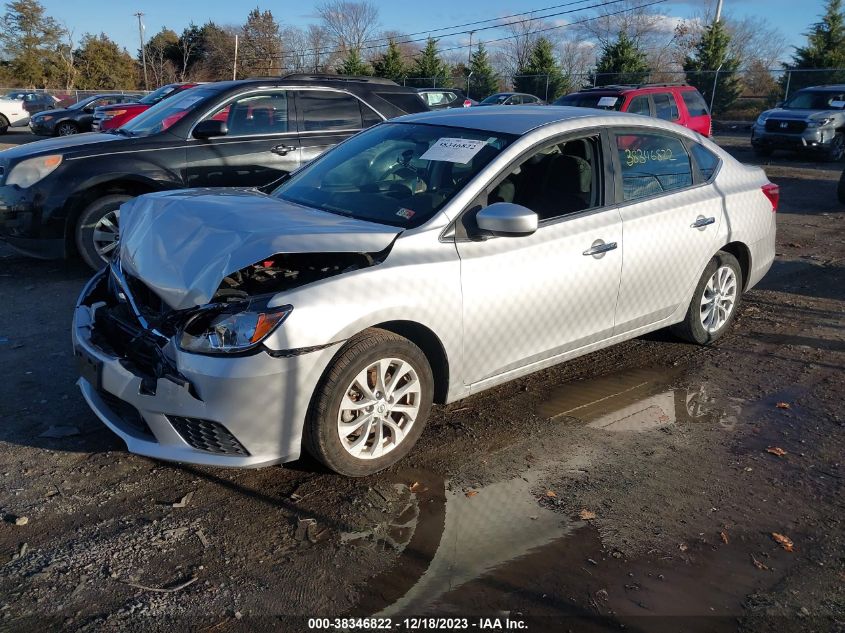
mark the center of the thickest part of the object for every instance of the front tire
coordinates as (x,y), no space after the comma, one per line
(66,128)
(97,230)
(714,302)
(4,124)
(371,405)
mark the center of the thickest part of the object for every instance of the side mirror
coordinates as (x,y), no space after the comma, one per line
(507,220)
(210,128)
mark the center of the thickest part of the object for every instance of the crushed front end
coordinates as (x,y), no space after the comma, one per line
(245,409)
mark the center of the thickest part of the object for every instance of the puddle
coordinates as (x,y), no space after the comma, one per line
(638,400)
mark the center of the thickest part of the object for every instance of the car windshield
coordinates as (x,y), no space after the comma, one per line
(165,113)
(157,95)
(813,100)
(590,100)
(394,173)
(496,99)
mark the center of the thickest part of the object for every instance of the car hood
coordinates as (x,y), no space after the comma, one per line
(182,244)
(59,145)
(54,112)
(801,115)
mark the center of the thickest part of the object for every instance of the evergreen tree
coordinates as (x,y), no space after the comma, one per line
(30,40)
(541,75)
(390,65)
(710,54)
(354,65)
(429,65)
(103,65)
(483,81)
(261,46)
(825,49)
(621,62)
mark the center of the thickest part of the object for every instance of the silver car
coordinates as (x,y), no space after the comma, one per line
(420,261)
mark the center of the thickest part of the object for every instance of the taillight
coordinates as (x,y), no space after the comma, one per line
(467,103)
(772,192)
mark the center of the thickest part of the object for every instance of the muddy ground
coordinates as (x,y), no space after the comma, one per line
(637,487)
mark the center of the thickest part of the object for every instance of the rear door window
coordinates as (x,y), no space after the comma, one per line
(652,164)
(696,106)
(665,106)
(325,110)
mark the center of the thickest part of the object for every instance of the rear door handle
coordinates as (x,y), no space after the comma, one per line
(282,150)
(599,248)
(701,222)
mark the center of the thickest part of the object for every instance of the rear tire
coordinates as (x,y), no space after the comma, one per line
(714,303)
(96,222)
(841,190)
(4,124)
(837,149)
(355,439)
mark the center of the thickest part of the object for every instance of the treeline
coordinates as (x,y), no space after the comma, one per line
(623,43)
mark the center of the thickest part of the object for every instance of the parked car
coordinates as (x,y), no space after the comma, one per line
(62,196)
(425,259)
(440,98)
(75,118)
(17,107)
(678,103)
(109,117)
(511,98)
(812,120)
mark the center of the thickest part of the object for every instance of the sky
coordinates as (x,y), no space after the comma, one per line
(116,19)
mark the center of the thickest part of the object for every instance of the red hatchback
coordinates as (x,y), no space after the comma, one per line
(114,116)
(678,103)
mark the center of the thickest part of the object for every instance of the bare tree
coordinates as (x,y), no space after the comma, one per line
(577,59)
(349,24)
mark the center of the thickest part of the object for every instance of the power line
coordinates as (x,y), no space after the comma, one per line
(604,3)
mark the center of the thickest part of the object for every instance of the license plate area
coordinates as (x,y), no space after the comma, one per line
(90,368)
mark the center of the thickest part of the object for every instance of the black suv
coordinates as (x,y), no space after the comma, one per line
(61,196)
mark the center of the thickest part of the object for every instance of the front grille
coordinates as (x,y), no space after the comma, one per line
(785,125)
(117,331)
(208,436)
(126,412)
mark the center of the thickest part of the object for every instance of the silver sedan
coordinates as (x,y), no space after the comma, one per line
(421,261)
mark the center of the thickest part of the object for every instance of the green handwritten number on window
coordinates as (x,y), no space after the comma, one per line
(641,157)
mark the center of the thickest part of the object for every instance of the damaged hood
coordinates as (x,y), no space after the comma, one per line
(182,244)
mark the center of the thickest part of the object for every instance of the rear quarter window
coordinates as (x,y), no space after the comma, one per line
(706,160)
(696,106)
(408,102)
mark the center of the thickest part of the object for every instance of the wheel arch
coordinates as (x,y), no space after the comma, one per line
(431,346)
(743,256)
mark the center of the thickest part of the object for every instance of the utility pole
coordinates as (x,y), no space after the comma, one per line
(469,52)
(718,11)
(235,65)
(140,15)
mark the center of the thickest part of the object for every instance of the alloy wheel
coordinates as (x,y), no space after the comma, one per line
(719,299)
(66,129)
(379,408)
(106,234)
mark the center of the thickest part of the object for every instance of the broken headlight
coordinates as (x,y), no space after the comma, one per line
(28,172)
(231,329)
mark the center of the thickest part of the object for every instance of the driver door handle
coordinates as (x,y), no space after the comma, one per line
(598,249)
(282,150)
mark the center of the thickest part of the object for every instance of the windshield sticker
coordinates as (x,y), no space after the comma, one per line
(608,102)
(405,213)
(453,150)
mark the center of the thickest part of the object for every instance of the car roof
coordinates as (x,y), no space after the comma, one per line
(829,87)
(505,119)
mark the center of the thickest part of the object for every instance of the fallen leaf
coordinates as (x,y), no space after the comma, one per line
(416,487)
(184,500)
(724,536)
(776,450)
(586,515)
(784,541)
(783,405)
(551,493)
(758,564)
(471,493)
(683,547)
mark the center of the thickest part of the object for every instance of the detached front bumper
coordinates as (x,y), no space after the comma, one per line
(244,411)
(811,139)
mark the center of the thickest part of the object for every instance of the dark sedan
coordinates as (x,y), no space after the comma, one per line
(62,196)
(76,118)
(512,98)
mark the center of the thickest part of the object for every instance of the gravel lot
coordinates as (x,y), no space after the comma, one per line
(638,486)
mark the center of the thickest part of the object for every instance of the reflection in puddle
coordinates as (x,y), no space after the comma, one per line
(501,523)
(637,400)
